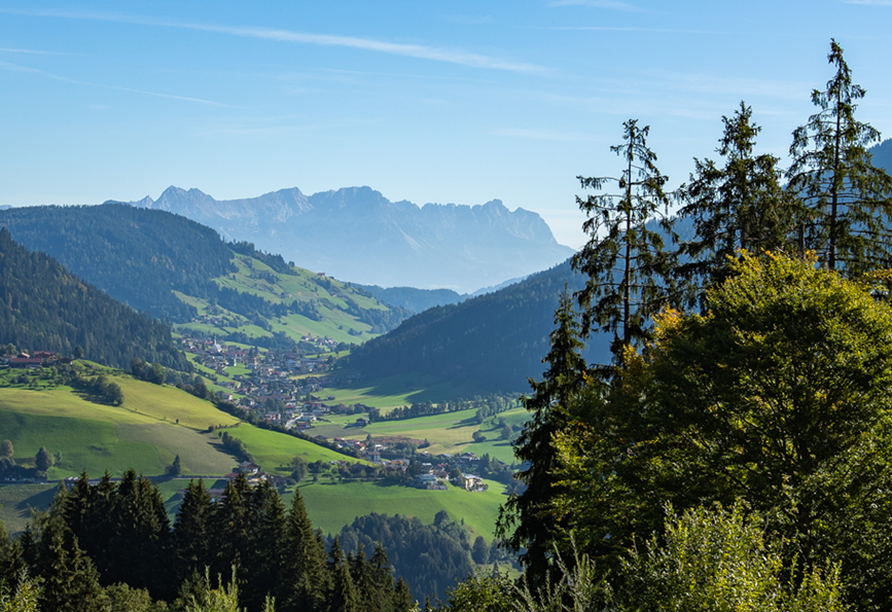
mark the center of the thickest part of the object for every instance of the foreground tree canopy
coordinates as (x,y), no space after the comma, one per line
(778,395)
(771,397)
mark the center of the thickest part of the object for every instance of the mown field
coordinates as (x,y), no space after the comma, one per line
(450,433)
(331,506)
(395,391)
(274,451)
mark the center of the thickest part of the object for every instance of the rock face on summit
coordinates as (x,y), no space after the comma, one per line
(356,234)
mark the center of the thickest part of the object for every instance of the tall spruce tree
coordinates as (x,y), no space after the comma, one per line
(343,596)
(627,267)
(846,200)
(141,532)
(266,557)
(304,571)
(740,205)
(192,532)
(69,580)
(526,521)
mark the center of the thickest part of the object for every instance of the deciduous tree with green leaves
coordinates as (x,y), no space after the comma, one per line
(777,395)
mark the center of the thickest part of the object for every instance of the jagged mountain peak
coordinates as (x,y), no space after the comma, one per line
(356,233)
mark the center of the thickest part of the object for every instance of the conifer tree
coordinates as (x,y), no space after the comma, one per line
(382,574)
(192,531)
(304,571)
(372,595)
(624,259)
(69,580)
(343,596)
(402,597)
(846,200)
(740,205)
(266,557)
(529,513)
(141,537)
(231,522)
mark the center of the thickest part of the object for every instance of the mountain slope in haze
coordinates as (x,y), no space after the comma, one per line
(179,270)
(45,308)
(358,234)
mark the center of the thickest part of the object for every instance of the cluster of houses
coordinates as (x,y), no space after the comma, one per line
(435,476)
(37,359)
(271,386)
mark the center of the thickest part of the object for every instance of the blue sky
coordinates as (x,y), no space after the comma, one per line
(458,102)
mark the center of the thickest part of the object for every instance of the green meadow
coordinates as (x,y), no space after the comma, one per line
(447,433)
(273,451)
(331,506)
(395,391)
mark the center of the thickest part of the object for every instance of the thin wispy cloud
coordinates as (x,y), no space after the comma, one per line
(615,5)
(452,56)
(17,68)
(31,51)
(634,29)
(541,134)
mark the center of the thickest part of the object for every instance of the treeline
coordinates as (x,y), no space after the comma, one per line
(45,307)
(379,319)
(94,539)
(274,261)
(410,298)
(486,407)
(428,557)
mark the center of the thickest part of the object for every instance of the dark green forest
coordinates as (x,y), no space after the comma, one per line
(99,538)
(46,308)
(495,341)
(428,557)
(135,255)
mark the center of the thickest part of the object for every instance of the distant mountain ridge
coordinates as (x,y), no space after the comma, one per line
(359,235)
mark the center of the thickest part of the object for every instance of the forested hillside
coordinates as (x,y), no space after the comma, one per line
(137,256)
(44,307)
(495,341)
(179,270)
(426,556)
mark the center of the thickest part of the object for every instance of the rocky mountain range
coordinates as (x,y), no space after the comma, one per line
(358,235)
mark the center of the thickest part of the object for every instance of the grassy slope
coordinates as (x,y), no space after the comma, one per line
(274,451)
(331,506)
(394,391)
(447,433)
(255,277)
(18,501)
(154,424)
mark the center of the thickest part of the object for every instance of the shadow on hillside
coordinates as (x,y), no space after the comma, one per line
(38,501)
